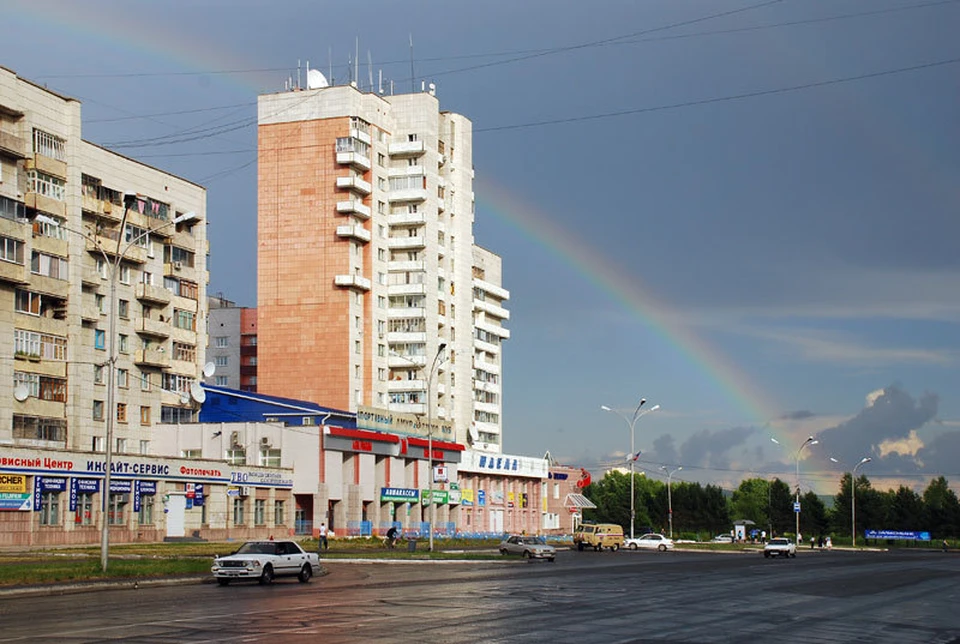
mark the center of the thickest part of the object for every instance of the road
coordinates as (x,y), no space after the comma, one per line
(676,597)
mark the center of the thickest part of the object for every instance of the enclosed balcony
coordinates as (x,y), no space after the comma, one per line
(152,358)
(13,273)
(358,233)
(353,159)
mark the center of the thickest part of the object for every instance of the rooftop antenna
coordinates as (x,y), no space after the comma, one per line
(412,88)
(380,82)
(298,73)
(370,69)
(356,63)
(330,63)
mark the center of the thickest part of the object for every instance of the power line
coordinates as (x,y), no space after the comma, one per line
(721,99)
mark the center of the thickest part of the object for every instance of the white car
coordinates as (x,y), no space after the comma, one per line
(266,560)
(527,547)
(652,541)
(722,538)
(780,547)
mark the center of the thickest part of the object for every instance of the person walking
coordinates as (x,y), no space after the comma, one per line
(392,534)
(322,540)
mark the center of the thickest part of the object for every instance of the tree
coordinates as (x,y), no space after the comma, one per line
(813,519)
(750,501)
(781,507)
(941,510)
(905,511)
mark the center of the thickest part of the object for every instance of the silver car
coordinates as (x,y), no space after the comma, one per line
(527,547)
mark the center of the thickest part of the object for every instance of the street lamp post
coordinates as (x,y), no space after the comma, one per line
(810,441)
(670,474)
(119,253)
(631,423)
(853,499)
(433,506)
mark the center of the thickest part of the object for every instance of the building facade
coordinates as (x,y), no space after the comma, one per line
(371,291)
(232,334)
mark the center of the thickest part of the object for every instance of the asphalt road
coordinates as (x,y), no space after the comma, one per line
(676,597)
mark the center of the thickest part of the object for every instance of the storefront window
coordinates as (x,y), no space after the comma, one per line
(84,513)
(145,516)
(115,513)
(238,511)
(278,518)
(50,508)
(259,512)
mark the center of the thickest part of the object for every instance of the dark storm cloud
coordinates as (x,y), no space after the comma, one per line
(711,448)
(664,450)
(802,414)
(891,417)
(940,454)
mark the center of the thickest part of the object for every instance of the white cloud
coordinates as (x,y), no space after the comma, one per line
(908,446)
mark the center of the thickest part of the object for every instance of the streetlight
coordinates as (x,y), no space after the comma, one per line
(853,499)
(810,441)
(670,474)
(433,506)
(119,253)
(632,422)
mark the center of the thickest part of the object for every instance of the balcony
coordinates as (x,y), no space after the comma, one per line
(494,329)
(89,313)
(407,195)
(358,233)
(353,159)
(417,409)
(151,358)
(404,337)
(356,282)
(406,312)
(406,149)
(153,294)
(489,367)
(406,289)
(407,219)
(360,135)
(354,184)
(480,345)
(406,243)
(406,362)
(406,171)
(406,266)
(490,408)
(108,245)
(13,145)
(406,385)
(353,207)
(491,309)
(13,273)
(90,277)
(45,204)
(492,289)
(153,328)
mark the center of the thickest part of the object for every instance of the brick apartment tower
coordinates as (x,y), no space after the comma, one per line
(366,260)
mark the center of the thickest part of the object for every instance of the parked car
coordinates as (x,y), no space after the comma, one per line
(722,538)
(266,560)
(598,536)
(652,541)
(527,547)
(780,547)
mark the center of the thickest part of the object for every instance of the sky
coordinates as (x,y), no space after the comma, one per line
(743,211)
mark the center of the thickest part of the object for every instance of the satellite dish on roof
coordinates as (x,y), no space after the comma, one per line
(316,79)
(197,392)
(209,369)
(21,392)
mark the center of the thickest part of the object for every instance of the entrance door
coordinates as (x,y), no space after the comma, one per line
(176,510)
(496,521)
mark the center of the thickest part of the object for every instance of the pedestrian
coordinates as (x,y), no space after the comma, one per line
(829,542)
(944,545)
(322,541)
(392,535)
(813,542)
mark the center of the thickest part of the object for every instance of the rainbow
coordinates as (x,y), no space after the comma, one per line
(634,295)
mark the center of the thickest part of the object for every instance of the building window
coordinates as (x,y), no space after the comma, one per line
(28,302)
(238,511)
(123,309)
(259,512)
(99,339)
(84,512)
(46,184)
(191,453)
(222,381)
(49,266)
(278,514)
(97,443)
(145,515)
(184,352)
(101,301)
(124,274)
(356,347)
(11,250)
(222,361)
(50,508)
(49,145)
(145,415)
(97,410)
(115,513)
(270,457)
(144,447)
(121,414)
(98,374)
(124,342)
(237,456)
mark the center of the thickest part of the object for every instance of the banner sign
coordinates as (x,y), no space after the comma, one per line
(455,496)
(16,501)
(466,497)
(399,495)
(198,499)
(43,484)
(384,420)
(439,496)
(481,497)
(120,487)
(902,535)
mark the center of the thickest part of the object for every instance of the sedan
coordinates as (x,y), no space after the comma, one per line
(527,547)
(722,538)
(652,541)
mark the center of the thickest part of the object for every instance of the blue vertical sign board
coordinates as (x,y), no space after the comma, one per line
(198,495)
(82,486)
(43,484)
(481,497)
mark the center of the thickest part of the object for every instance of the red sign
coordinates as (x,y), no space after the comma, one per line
(363,446)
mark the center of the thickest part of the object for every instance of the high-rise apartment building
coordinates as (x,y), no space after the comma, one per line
(371,292)
(79,223)
(232,333)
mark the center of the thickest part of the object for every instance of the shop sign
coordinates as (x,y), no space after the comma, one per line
(13,483)
(16,501)
(455,497)
(466,497)
(399,495)
(902,535)
(261,479)
(198,499)
(43,484)
(439,496)
(82,486)
(481,497)
(233,491)
(510,498)
(141,488)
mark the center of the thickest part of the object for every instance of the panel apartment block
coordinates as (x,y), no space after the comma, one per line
(366,258)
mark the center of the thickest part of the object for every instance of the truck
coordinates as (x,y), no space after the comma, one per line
(598,536)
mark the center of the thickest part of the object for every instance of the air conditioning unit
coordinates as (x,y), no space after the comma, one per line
(177,265)
(246,490)
(265,441)
(235,439)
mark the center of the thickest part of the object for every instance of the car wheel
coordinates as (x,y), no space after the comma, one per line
(267,576)
(633,546)
(223,582)
(662,548)
(580,546)
(552,559)
(503,551)
(305,574)
(766,555)
(614,547)
(793,554)
(526,554)
(597,548)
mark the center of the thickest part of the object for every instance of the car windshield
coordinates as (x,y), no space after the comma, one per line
(779,542)
(257,549)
